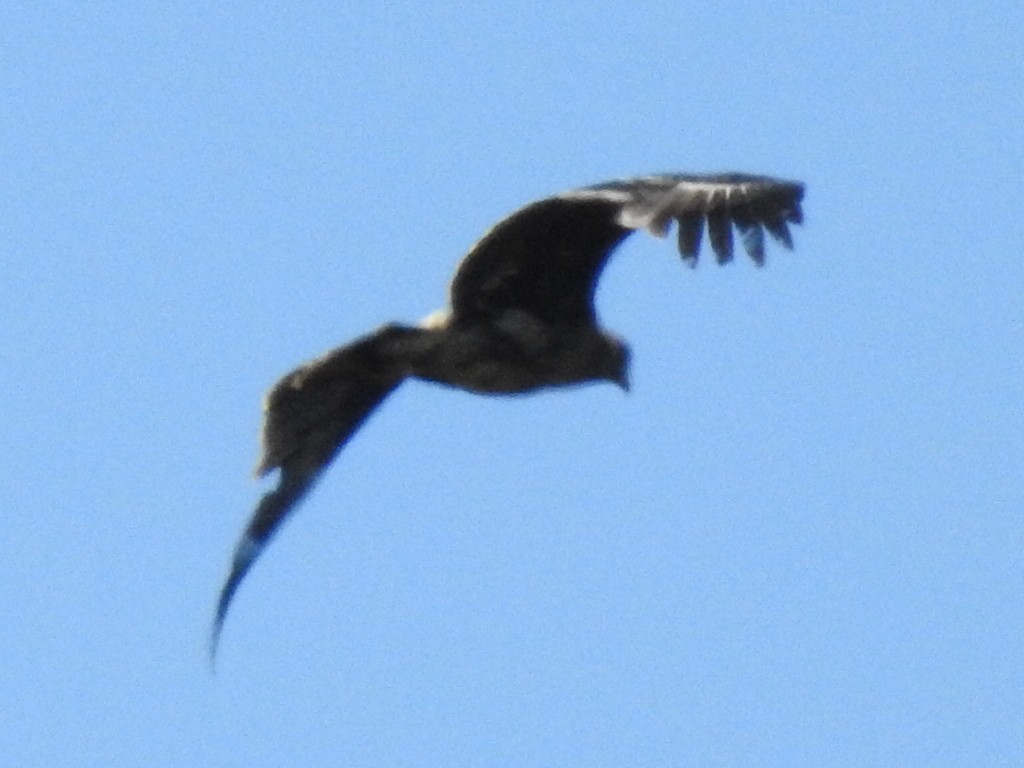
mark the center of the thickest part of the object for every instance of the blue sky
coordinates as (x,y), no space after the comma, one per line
(797,541)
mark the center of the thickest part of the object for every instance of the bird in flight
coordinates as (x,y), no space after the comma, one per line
(521,318)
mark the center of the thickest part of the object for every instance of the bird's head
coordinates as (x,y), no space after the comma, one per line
(615,361)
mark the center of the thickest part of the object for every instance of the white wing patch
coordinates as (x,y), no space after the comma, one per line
(437,319)
(721,202)
(652,202)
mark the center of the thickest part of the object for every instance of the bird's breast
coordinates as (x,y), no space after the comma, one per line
(493,361)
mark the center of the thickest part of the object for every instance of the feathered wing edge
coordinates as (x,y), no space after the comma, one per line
(309,415)
(752,203)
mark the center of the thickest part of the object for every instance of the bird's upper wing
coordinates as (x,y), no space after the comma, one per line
(308,416)
(547,257)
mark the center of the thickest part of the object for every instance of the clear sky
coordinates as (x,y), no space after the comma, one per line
(798,541)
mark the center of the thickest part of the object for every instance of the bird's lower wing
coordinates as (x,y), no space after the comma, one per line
(309,416)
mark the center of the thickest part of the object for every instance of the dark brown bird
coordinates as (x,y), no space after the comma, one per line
(521,319)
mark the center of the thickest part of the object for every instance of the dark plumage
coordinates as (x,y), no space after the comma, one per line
(521,319)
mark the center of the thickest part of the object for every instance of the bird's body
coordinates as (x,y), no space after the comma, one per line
(516,354)
(521,319)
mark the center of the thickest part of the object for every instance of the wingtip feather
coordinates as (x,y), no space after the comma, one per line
(246,552)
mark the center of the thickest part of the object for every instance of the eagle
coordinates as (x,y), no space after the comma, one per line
(520,319)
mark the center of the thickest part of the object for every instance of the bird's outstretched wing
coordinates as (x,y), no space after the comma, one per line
(308,416)
(548,256)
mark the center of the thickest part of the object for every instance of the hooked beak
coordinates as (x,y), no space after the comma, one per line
(622,381)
